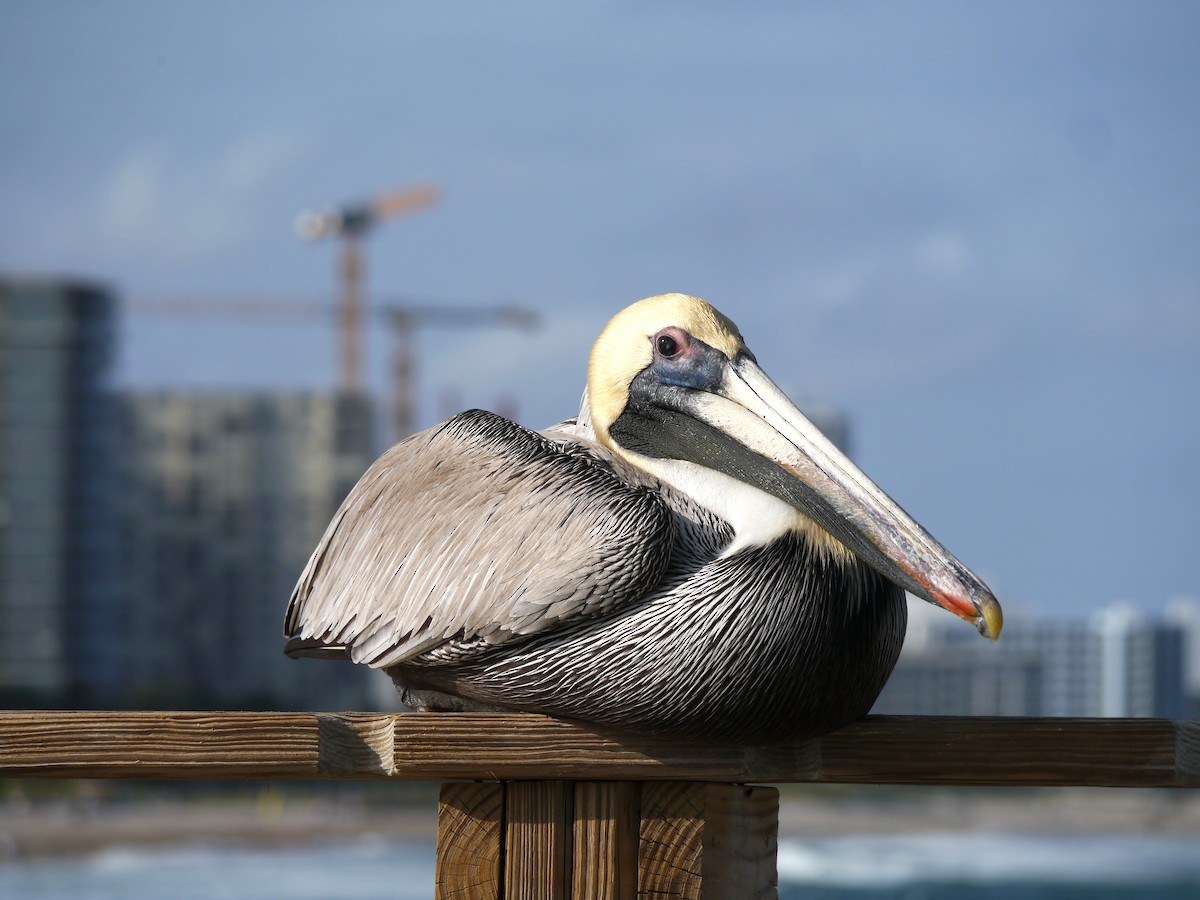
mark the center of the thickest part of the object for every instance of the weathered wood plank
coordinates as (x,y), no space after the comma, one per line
(503,746)
(1187,753)
(537,840)
(705,841)
(470,841)
(605,840)
(523,746)
(1011,751)
(176,745)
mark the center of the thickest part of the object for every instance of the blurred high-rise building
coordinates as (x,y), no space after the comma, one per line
(59,599)
(1142,671)
(1184,614)
(1117,663)
(226,496)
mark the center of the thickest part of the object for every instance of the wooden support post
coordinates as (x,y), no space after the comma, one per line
(604,859)
(546,840)
(537,840)
(701,840)
(470,841)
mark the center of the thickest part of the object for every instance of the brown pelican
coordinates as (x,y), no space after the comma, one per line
(691,556)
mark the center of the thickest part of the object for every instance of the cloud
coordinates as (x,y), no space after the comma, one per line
(546,368)
(161,203)
(133,196)
(943,253)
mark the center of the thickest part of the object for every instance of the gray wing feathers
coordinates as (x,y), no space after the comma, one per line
(475,534)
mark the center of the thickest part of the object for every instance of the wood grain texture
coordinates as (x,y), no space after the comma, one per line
(470,841)
(741,842)
(353,744)
(707,841)
(519,746)
(537,840)
(604,846)
(1187,753)
(178,745)
(1009,751)
(671,840)
(512,746)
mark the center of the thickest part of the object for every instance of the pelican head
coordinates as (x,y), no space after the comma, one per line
(673,389)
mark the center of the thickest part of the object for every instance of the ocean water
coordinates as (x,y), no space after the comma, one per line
(971,866)
(988,866)
(358,870)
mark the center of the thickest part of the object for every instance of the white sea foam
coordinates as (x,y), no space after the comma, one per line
(352,870)
(357,870)
(983,857)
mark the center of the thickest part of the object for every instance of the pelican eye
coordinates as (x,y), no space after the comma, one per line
(667,346)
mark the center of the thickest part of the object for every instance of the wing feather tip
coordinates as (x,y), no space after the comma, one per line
(311,648)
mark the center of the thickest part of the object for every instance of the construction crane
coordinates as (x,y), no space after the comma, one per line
(351,223)
(403,318)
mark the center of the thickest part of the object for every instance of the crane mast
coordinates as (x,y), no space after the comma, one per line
(403,317)
(351,223)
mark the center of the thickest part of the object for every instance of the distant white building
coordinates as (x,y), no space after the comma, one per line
(1142,664)
(1115,664)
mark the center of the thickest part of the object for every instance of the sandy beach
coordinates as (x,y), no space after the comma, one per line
(36,827)
(92,816)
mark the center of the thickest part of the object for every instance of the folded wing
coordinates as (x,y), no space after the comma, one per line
(472,535)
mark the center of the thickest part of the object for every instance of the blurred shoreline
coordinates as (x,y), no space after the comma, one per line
(260,818)
(40,827)
(1079,811)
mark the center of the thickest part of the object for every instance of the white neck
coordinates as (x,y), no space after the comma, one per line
(756,517)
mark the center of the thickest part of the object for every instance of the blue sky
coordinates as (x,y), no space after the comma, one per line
(972,227)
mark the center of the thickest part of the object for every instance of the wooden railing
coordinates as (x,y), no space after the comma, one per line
(537,808)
